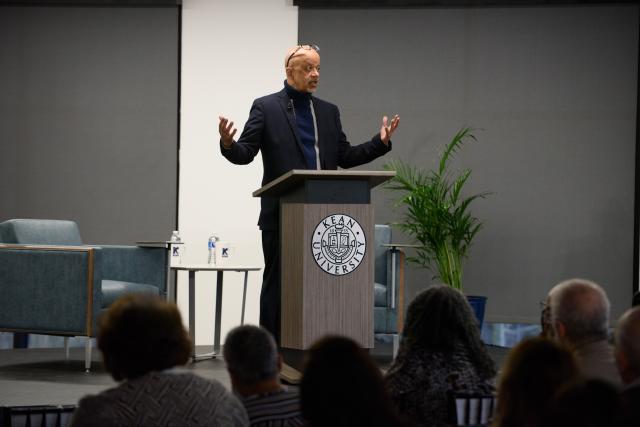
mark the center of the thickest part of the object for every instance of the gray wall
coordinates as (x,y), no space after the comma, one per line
(88,118)
(552,94)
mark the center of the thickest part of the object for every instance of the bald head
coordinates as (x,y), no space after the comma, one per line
(579,311)
(302,65)
(628,345)
(296,53)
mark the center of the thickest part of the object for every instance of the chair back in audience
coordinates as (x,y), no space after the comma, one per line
(474,410)
(36,416)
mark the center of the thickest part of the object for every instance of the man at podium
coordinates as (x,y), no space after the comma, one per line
(294,130)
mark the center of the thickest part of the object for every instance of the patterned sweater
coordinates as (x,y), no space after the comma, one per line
(422,384)
(169,398)
(278,409)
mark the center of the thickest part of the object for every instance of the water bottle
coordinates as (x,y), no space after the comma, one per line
(176,251)
(212,249)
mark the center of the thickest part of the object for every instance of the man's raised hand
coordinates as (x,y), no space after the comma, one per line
(387,129)
(227,131)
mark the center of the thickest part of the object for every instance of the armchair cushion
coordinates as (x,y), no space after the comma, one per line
(114,289)
(135,264)
(380,295)
(40,232)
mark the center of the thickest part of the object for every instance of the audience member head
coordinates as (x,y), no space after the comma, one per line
(252,360)
(588,403)
(341,386)
(142,333)
(579,311)
(440,318)
(534,370)
(627,337)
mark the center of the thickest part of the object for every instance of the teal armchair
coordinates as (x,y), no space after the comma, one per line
(389,288)
(53,284)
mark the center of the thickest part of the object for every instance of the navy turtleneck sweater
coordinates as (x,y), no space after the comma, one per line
(304,120)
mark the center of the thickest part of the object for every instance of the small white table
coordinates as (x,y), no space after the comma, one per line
(192,269)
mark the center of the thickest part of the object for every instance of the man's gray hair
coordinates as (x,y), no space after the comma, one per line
(583,307)
(251,354)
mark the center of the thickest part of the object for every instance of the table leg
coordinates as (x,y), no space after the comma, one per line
(171,294)
(244,296)
(393,277)
(216,337)
(192,312)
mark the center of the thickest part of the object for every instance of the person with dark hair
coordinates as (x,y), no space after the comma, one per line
(143,342)
(440,355)
(254,366)
(534,371)
(627,353)
(579,316)
(588,403)
(342,387)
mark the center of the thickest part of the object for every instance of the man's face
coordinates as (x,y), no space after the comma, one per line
(303,72)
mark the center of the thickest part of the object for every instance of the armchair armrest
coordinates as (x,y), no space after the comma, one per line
(135,264)
(49,289)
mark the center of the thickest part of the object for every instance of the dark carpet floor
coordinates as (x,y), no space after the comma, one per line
(44,377)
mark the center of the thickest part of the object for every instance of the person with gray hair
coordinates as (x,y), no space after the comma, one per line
(627,345)
(579,317)
(254,367)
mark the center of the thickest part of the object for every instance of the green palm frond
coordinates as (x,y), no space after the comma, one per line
(436,214)
(453,148)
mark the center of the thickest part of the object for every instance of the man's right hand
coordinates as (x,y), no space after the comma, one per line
(227,131)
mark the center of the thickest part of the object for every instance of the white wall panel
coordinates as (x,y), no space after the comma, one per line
(232,53)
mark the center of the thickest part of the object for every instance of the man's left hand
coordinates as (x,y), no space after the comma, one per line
(387,129)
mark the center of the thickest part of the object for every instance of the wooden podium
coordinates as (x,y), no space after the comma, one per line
(326,247)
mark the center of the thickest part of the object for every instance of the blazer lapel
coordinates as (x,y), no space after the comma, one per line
(322,125)
(287,110)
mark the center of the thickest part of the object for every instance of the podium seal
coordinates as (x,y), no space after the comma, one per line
(338,244)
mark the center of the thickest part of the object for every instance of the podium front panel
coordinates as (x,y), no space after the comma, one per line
(336,191)
(327,273)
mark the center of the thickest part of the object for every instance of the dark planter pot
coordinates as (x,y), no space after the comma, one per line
(478,303)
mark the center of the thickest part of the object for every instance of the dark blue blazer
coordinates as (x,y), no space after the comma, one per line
(272,130)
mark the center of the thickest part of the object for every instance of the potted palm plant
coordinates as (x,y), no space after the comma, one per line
(437,213)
